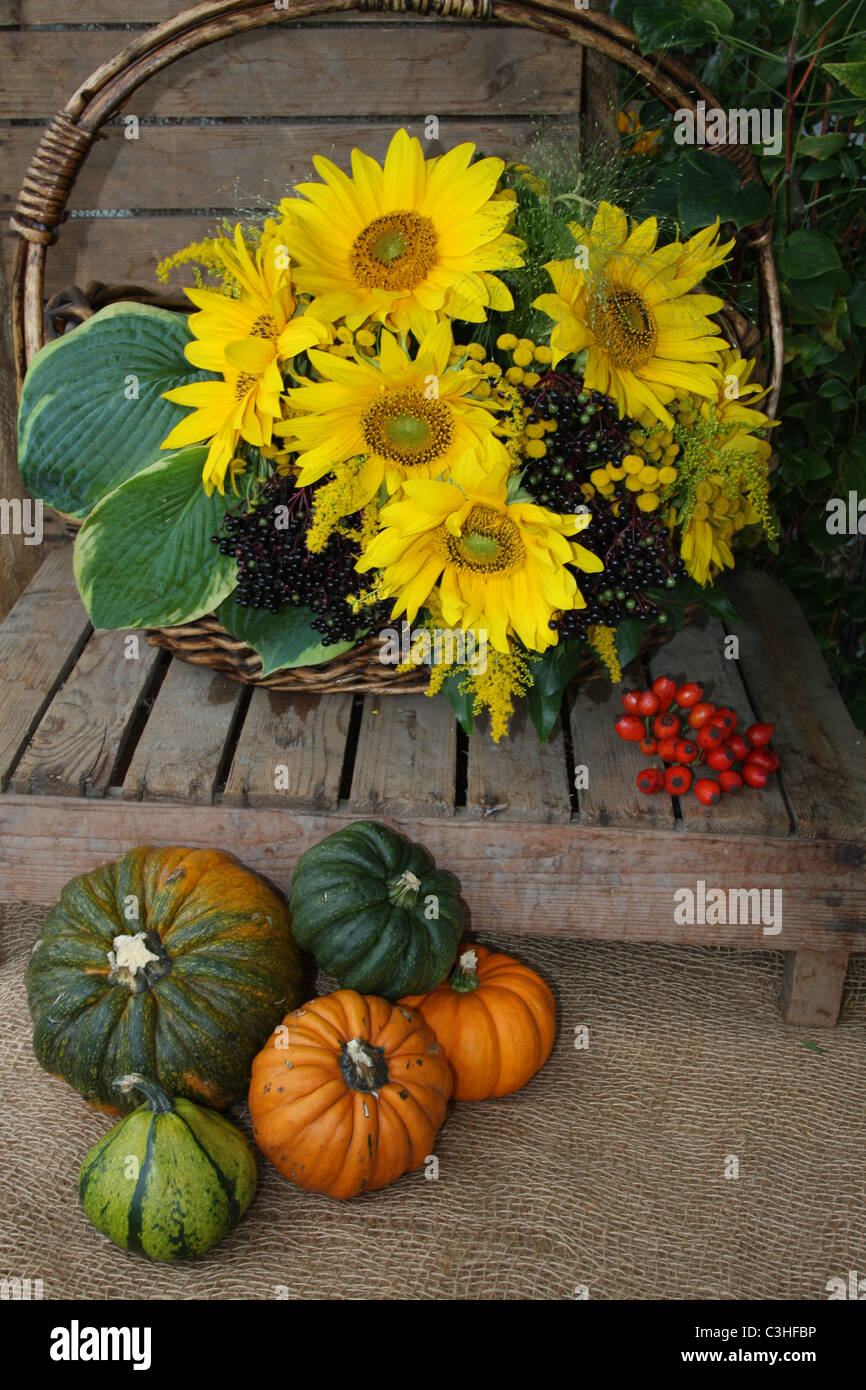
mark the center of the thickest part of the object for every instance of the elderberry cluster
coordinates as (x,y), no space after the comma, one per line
(267,536)
(638,554)
(588,433)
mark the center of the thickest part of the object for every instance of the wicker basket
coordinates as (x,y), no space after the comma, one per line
(64,146)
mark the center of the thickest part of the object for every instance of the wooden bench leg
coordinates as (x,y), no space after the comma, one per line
(812,987)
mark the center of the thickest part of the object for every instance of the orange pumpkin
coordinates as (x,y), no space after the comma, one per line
(348,1093)
(495,1019)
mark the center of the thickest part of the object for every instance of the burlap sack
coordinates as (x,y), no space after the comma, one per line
(607,1171)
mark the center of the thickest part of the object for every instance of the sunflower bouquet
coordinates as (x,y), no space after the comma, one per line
(423,405)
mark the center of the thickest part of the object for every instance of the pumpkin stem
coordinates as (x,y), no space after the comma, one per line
(363,1065)
(464,977)
(134,964)
(154,1095)
(404,891)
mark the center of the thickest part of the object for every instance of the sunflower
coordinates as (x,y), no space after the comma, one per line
(646,337)
(405,244)
(501,567)
(244,338)
(406,417)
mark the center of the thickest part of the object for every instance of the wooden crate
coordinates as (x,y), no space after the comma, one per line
(107,743)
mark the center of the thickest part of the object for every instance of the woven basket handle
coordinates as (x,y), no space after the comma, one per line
(66,141)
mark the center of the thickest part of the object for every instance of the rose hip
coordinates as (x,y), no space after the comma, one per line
(666,726)
(707,791)
(649,746)
(688,695)
(720,759)
(678,780)
(754,776)
(629,727)
(648,703)
(709,737)
(666,689)
(730,781)
(685,750)
(629,701)
(759,735)
(701,714)
(650,781)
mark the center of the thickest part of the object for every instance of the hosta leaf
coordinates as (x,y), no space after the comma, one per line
(144,557)
(281,639)
(92,412)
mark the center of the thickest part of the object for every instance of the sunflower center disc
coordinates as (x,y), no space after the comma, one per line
(407,428)
(394,252)
(626,329)
(490,543)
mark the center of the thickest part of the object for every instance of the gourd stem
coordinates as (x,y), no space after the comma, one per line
(154,1095)
(464,976)
(363,1065)
(404,891)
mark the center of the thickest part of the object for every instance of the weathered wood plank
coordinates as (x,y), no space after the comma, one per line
(38,642)
(697,653)
(823,772)
(320,70)
(406,758)
(178,754)
(812,987)
(290,751)
(75,747)
(518,779)
(612,797)
(244,166)
(592,883)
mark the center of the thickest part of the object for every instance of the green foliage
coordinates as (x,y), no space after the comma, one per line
(281,639)
(806,61)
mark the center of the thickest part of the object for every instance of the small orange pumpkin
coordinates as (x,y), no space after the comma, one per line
(495,1019)
(348,1093)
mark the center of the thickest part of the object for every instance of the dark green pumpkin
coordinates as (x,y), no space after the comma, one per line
(375,912)
(170,1180)
(172,963)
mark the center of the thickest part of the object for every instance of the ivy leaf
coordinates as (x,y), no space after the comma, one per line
(807,254)
(851,75)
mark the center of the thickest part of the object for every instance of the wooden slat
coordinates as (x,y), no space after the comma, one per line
(321,70)
(406,758)
(612,797)
(178,753)
(518,779)
(38,641)
(114,250)
(697,653)
(812,987)
(76,745)
(823,771)
(244,166)
(290,751)
(590,882)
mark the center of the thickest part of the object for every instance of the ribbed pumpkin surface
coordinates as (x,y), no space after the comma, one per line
(375,912)
(330,1130)
(210,967)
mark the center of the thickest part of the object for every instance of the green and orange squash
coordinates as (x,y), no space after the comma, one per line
(169,1180)
(171,963)
(375,912)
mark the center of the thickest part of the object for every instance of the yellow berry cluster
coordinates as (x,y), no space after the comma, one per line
(526,356)
(638,476)
(525,175)
(474,357)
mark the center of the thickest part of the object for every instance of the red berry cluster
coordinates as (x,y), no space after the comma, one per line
(686,731)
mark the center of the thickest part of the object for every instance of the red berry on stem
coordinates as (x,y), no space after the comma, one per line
(730,781)
(650,781)
(678,780)
(667,749)
(707,791)
(666,726)
(685,750)
(649,746)
(738,747)
(720,759)
(759,735)
(701,714)
(629,727)
(754,776)
(629,701)
(763,757)
(726,719)
(666,689)
(648,703)
(709,737)
(688,695)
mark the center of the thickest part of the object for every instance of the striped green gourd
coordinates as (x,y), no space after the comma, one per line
(375,912)
(169,1180)
(172,963)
